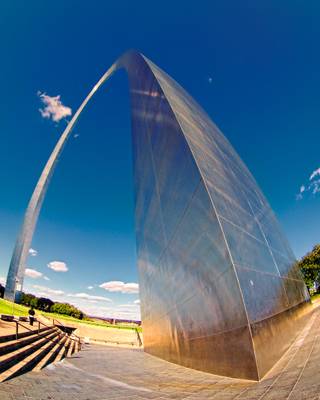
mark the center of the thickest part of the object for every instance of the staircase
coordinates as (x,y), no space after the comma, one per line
(33,349)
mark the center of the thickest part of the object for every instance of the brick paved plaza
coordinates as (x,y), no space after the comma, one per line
(101,372)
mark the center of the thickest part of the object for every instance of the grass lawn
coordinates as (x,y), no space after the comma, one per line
(66,318)
(315,297)
(19,310)
(6,308)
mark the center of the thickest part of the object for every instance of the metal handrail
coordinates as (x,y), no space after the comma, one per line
(79,340)
(61,323)
(31,330)
(138,336)
(60,333)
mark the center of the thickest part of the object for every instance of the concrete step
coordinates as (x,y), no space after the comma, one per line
(29,362)
(7,338)
(71,348)
(12,345)
(52,354)
(33,351)
(77,346)
(63,351)
(8,360)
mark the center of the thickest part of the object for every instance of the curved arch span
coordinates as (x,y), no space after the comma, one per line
(218,287)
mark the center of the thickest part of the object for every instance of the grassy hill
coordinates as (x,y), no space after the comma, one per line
(7,307)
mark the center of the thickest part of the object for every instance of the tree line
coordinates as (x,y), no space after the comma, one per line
(47,305)
(310,268)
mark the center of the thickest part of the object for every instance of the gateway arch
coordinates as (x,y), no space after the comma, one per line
(218,284)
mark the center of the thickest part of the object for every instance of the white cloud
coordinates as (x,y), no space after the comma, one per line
(87,296)
(47,291)
(124,311)
(53,107)
(137,301)
(122,287)
(128,306)
(314,174)
(299,195)
(90,287)
(33,252)
(32,273)
(2,280)
(58,266)
(313,186)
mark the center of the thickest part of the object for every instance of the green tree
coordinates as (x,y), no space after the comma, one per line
(26,299)
(34,302)
(45,304)
(66,309)
(310,267)
(48,305)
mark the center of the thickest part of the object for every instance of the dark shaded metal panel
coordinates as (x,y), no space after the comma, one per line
(278,332)
(228,353)
(207,330)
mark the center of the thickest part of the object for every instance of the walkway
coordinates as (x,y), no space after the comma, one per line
(9,328)
(100,372)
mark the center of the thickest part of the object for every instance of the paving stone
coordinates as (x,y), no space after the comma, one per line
(100,372)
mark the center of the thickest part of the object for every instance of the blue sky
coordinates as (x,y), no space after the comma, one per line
(253,66)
